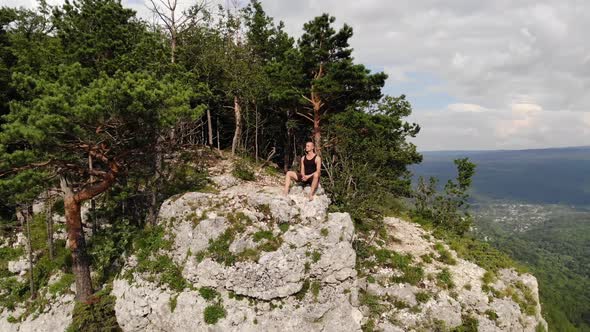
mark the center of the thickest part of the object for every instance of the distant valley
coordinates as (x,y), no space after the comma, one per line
(535,206)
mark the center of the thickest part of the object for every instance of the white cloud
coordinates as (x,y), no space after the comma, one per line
(516,73)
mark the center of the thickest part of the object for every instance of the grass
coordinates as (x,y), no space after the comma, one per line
(208,293)
(492,315)
(445,256)
(444,279)
(97,315)
(260,235)
(160,268)
(488,278)
(62,285)
(300,295)
(315,289)
(213,313)
(243,171)
(284,227)
(173,302)
(423,297)
(426,258)
(316,256)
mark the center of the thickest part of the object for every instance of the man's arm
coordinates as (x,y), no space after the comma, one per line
(302,167)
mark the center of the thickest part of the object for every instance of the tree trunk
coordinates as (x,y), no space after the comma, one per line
(287,152)
(49,224)
(317,104)
(256,131)
(238,131)
(76,243)
(217,130)
(92,203)
(158,165)
(25,214)
(316,128)
(209,128)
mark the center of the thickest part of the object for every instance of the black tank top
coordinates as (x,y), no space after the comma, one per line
(310,166)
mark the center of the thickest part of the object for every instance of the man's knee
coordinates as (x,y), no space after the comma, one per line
(316,176)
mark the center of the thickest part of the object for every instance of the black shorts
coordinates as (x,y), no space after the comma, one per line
(308,181)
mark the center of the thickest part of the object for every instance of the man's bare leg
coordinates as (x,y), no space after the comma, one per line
(314,185)
(288,177)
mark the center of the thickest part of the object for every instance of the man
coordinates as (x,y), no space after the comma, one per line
(311,167)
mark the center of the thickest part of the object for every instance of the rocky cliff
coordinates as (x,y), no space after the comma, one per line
(243,257)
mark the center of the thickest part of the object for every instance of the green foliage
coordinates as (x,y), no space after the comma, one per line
(161,268)
(373,303)
(208,293)
(328,65)
(445,256)
(184,177)
(262,235)
(445,279)
(488,278)
(324,232)
(98,315)
(492,315)
(423,297)
(469,324)
(316,256)
(62,285)
(213,313)
(368,157)
(8,254)
(284,227)
(219,248)
(243,171)
(315,289)
(300,295)
(173,302)
(554,253)
(410,274)
(447,210)
(106,248)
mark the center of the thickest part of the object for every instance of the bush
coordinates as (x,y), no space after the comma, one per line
(208,293)
(162,268)
(62,285)
(213,313)
(445,279)
(423,297)
(242,171)
(184,177)
(448,209)
(98,316)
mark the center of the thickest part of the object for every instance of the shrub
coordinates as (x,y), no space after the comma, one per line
(213,313)
(315,289)
(62,285)
(262,235)
(98,315)
(445,279)
(492,315)
(423,297)
(208,293)
(242,171)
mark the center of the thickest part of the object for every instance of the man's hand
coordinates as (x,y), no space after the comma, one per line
(305,177)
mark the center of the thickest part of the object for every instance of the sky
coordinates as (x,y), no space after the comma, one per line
(496,74)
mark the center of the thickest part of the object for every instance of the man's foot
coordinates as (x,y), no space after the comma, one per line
(311,197)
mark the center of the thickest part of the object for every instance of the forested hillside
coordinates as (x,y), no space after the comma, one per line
(516,198)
